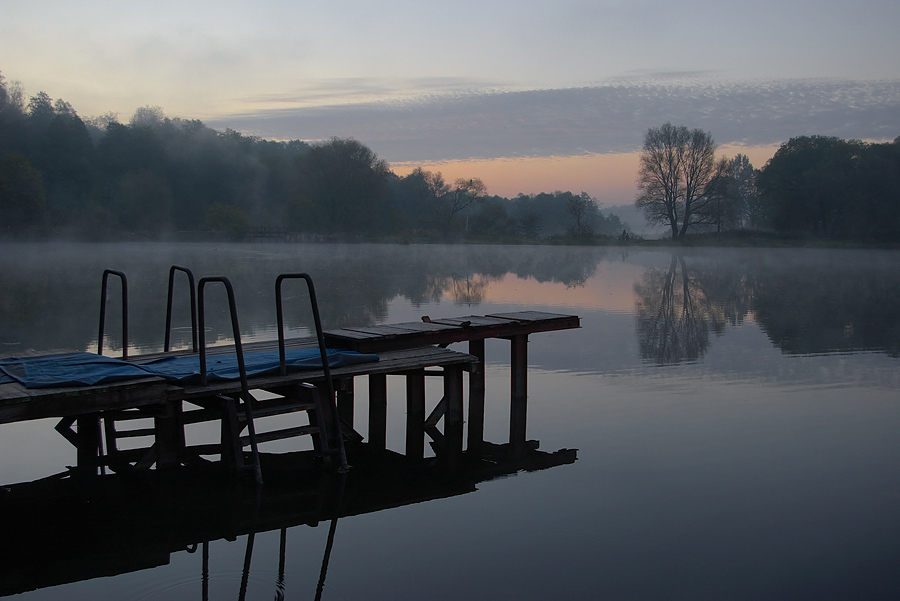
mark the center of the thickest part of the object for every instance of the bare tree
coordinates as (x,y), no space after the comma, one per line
(463,194)
(679,180)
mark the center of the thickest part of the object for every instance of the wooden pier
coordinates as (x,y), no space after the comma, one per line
(412,350)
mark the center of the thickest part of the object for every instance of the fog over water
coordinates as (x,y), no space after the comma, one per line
(735,414)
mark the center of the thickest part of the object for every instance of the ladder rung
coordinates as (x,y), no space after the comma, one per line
(279,407)
(205,449)
(197,416)
(280,434)
(135,433)
(121,416)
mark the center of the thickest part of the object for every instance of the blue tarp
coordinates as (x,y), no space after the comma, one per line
(69,369)
(186,369)
(86,369)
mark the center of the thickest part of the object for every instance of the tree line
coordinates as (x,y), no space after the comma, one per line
(158,177)
(814,186)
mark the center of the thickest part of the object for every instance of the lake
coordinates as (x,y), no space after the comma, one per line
(735,414)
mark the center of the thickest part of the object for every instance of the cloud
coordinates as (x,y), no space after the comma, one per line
(599,119)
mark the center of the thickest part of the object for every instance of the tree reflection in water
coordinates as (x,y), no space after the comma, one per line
(805,302)
(677,308)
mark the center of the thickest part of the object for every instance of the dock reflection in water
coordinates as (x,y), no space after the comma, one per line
(70,529)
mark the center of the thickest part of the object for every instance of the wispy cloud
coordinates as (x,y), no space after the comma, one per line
(611,118)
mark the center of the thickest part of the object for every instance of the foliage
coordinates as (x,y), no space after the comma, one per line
(22,197)
(742,196)
(344,187)
(152,176)
(581,208)
(830,188)
(230,220)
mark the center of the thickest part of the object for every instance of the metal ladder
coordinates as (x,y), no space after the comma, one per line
(140,458)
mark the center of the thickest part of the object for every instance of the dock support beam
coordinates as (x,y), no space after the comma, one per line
(378,411)
(415,414)
(476,397)
(88,443)
(344,391)
(453,417)
(518,391)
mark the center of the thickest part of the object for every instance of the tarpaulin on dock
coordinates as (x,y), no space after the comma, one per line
(68,369)
(88,369)
(186,369)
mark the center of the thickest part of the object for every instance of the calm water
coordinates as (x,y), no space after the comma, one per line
(736,415)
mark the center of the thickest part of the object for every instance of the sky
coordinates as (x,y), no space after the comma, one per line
(530,96)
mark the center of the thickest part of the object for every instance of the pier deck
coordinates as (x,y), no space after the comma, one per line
(408,349)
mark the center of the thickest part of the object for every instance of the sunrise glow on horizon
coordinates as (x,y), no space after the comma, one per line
(610,178)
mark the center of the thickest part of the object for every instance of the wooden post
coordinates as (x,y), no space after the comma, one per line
(169,435)
(518,391)
(327,415)
(453,416)
(232,451)
(88,443)
(344,390)
(415,414)
(378,411)
(476,397)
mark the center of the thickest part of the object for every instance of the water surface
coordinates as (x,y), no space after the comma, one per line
(735,414)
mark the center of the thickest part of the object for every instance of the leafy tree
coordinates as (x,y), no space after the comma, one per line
(12,117)
(582,208)
(530,224)
(808,185)
(827,187)
(492,218)
(143,202)
(147,116)
(679,179)
(344,188)
(40,109)
(741,194)
(231,220)
(416,196)
(22,198)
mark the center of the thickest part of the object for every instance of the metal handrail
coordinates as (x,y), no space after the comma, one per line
(239,350)
(323,353)
(190,277)
(103,298)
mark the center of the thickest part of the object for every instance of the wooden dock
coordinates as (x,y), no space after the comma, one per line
(412,350)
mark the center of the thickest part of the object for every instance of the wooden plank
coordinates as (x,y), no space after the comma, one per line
(415,331)
(391,362)
(472,321)
(382,330)
(345,334)
(447,330)
(62,402)
(423,326)
(530,316)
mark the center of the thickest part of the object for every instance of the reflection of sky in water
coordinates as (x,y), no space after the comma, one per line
(747,473)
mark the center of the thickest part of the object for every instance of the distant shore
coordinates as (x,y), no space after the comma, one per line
(729,239)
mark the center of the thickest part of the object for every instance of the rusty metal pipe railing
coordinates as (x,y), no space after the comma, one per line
(323,353)
(103,298)
(239,351)
(170,296)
